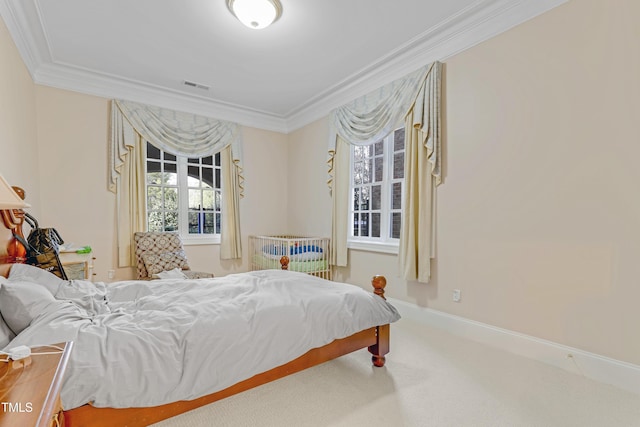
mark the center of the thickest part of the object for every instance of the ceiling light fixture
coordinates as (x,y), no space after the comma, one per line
(256,14)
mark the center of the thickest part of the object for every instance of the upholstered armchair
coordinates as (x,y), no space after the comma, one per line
(162,251)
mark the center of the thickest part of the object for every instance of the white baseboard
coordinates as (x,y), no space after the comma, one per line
(600,368)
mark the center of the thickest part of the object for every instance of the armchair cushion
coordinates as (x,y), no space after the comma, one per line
(157,263)
(158,251)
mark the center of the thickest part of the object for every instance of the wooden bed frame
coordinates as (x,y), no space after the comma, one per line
(376,339)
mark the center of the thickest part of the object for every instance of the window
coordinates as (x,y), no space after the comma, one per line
(377,181)
(184,195)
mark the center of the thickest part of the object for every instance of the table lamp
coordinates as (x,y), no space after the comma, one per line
(9,199)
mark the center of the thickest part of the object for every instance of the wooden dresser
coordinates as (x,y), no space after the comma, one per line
(30,388)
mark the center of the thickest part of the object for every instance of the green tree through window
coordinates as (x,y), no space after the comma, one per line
(183,194)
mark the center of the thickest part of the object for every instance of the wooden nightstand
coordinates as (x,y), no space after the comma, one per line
(77,266)
(30,388)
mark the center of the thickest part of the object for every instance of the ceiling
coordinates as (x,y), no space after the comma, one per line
(317,56)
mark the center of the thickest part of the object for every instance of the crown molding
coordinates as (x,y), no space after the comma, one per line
(477,23)
(107,86)
(32,45)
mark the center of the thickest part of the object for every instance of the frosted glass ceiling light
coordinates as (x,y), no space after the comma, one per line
(255,14)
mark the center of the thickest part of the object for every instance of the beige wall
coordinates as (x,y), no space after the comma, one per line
(309,198)
(539,214)
(18,141)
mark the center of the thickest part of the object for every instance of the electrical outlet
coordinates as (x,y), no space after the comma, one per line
(111,274)
(456,295)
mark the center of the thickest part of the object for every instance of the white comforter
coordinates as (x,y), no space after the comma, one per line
(150,343)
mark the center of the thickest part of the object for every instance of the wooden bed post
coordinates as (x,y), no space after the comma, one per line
(13,220)
(381,347)
(284,262)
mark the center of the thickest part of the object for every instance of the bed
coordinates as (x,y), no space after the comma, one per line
(305,254)
(206,349)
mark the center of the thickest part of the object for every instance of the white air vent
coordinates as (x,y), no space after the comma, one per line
(196,85)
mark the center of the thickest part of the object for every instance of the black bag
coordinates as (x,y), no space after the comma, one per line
(43,246)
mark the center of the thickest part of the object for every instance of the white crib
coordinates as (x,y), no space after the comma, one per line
(306,254)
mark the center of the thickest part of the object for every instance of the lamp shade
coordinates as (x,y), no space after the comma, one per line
(255,14)
(9,199)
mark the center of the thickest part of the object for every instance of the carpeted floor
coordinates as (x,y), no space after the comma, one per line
(431,379)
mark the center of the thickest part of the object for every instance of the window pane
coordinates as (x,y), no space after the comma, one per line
(154,177)
(358,153)
(195,201)
(364,198)
(367,172)
(152,152)
(207,200)
(376,197)
(207,177)
(194,224)
(209,227)
(153,166)
(154,198)
(218,221)
(171,173)
(193,179)
(356,199)
(170,157)
(379,148)
(218,179)
(396,221)
(171,221)
(207,160)
(217,156)
(364,224)
(193,161)
(398,165)
(218,200)
(355,225)
(375,225)
(171,199)
(155,221)
(398,140)
(358,172)
(379,169)
(396,196)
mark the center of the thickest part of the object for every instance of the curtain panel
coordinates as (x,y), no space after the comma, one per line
(179,133)
(372,117)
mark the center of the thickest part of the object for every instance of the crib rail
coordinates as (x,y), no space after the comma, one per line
(306,254)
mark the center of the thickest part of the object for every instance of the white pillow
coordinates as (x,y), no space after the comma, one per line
(21,302)
(176,273)
(33,274)
(6,334)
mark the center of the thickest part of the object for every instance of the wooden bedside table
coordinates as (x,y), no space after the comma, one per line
(30,388)
(77,266)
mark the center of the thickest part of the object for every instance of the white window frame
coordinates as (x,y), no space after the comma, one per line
(182,172)
(385,243)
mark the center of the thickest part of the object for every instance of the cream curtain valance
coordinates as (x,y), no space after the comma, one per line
(373,116)
(179,133)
